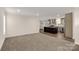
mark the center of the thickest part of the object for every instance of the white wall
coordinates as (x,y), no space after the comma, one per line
(20,25)
(76,25)
(43,23)
(1,27)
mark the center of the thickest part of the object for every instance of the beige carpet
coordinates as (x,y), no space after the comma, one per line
(36,42)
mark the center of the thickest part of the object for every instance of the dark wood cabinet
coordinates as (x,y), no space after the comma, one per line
(51,29)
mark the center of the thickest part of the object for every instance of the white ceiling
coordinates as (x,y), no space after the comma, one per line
(39,11)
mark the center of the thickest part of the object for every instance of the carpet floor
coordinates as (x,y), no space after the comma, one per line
(36,42)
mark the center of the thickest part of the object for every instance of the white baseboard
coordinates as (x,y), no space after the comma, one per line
(1,42)
(77,42)
(19,35)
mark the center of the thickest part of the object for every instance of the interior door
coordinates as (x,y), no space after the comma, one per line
(1,29)
(68,25)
